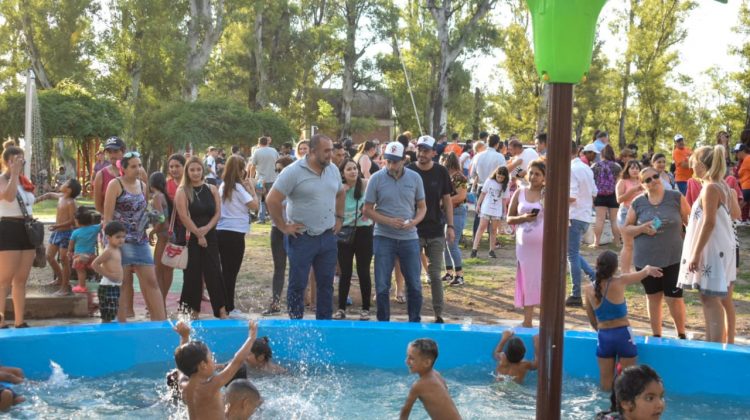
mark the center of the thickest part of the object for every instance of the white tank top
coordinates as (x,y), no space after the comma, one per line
(11,208)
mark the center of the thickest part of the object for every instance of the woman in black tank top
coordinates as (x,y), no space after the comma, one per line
(199,207)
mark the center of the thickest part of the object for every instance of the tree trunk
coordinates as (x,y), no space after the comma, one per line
(747,115)
(476,124)
(542,115)
(622,140)
(351,13)
(204,31)
(31,48)
(449,52)
(261,72)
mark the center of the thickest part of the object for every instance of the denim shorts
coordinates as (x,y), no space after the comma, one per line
(136,254)
(60,238)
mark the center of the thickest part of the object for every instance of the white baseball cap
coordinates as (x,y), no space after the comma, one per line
(590,148)
(426,141)
(394,151)
(678,137)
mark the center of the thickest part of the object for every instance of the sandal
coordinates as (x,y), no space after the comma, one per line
(340,314)
(23,325)
(400,299)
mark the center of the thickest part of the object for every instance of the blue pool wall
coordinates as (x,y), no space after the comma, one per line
(687,367)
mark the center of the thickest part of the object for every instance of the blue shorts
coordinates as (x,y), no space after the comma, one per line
(136,254)
(60,238)
(9,387)
(615,342)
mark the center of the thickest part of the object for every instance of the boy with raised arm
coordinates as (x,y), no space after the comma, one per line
(202,390)
(430,388)
(509,354)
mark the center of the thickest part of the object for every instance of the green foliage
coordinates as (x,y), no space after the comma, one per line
(217,122)
(67,111)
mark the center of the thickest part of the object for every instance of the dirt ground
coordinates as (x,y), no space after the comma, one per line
(488,295)
(486,298)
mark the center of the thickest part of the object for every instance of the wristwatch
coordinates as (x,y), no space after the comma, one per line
(340,217)
(451,226)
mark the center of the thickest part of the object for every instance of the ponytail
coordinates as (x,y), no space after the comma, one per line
(715,161)
(606,265)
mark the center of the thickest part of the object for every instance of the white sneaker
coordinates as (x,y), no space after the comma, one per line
(237,314)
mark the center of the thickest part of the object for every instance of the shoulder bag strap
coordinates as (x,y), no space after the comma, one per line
(23,206)
(170,231)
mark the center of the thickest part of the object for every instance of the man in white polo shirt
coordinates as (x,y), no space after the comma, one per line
(582,193)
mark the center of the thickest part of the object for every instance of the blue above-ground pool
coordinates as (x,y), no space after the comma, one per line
(342,357)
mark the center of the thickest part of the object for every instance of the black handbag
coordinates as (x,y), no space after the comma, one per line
(34,228)
(346,234)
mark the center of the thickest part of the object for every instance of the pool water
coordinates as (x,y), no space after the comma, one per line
(326,392)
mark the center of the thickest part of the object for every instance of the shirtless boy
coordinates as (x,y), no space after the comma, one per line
(61,232)
(510,358)
(109,265)
(202,391)
(430,388)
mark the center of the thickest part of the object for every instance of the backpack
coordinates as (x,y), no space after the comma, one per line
(604,177)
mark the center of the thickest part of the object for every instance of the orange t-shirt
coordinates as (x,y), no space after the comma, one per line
(678,156)
(744,173)
(455,148)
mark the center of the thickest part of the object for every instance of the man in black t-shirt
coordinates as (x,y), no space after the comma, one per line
(432,230)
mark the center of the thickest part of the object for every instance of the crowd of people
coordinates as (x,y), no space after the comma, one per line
(401,207)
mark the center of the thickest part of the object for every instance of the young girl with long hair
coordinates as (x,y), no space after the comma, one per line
(237,200)
(608,313)
(494,191)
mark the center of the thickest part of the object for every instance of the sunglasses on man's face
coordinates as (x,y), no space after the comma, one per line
(649,179)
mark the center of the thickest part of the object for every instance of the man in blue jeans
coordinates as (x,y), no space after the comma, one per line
(582,193)
(395,201)
(314,198)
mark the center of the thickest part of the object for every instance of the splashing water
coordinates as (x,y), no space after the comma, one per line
(58,378)
(315,391)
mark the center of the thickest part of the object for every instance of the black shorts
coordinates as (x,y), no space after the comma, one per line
(608,201)
(109,302)
(13,236)
(666,283)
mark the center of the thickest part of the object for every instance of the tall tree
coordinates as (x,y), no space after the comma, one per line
(626,65)
(205,26)
(353,12)
(456,24)
(53,38)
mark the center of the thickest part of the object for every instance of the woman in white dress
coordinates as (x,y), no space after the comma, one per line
(708,255)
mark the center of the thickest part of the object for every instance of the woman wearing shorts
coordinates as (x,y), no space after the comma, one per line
(655,221)
(126,202)
(16,252)
(606,172)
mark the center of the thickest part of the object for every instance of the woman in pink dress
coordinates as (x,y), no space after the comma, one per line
(527,213)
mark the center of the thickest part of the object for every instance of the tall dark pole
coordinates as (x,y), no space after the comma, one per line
(554,251)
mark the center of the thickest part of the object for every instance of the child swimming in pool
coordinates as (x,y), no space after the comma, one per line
(430,388)
(241,400)
(638,395)
(509,354)
(8,398)
(202,390)
(260,357)
(608,314)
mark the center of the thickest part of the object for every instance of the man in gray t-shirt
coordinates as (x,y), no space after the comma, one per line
(314,198)
(395,201)
(262,168)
